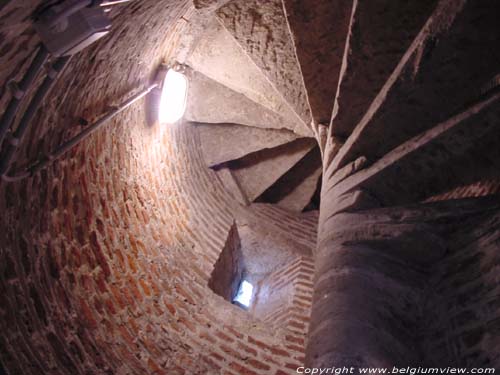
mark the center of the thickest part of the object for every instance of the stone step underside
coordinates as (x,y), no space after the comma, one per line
(382,31)
(452,58)
(300,197)
(414,170)
(320,30)
(210,102)
(261,29)
(295,189)
(258,171)
(218,56)
(226,177)
(224,142)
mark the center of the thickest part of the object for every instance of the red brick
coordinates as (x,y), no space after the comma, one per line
(210,362)
(145,287)
(231,352)
(186,295)
(296,348)
(205,336)
(280,352)
(241,370)
(223,336)
(187,323)
(258,343)
(257,364)
(247,349)
(292,366)
(217,356)
(295,339)
(88,316)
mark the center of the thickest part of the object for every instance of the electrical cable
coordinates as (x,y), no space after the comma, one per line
(68,145)
(35,103)
(22,87)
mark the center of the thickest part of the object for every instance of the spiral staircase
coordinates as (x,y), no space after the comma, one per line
(259,142)
(284,90)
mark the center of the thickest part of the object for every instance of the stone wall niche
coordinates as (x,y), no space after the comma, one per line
(228,270)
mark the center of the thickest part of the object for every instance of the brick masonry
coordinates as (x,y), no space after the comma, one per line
(463,329)
(106,255)
(478,189)
(283,300)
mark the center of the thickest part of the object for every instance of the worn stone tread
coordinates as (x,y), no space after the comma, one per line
(217,55)
(260,27)
(320,30)
(212,102)
(224,142)
(258,171)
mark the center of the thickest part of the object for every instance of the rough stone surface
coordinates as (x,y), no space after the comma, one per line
(262,30)
(263,252)
(210,4)
(218,56)
(298,231)
(444,69)
(384,307)
(294,190)
(224,142)
(398,177)
(381,32)
(320,30)
(301,195)
(258,171)
(228,270)
(211,102)
(371,305)
(231,185)
(465,322)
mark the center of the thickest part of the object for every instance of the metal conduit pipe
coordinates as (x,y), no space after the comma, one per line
(113,2)
(20,91)
(35,103)
(68,145)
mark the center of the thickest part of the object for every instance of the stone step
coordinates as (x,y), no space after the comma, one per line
(211,102)
(381,32)
(226,177)
(261,29)
(451,59)
(299,198)
(320,30)
(421,166)
(294,190)
(218,56)
(256,172)
(225,142)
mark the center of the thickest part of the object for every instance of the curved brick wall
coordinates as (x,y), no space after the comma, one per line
(105,256)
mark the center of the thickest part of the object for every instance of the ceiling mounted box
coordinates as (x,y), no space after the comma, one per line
(66,32)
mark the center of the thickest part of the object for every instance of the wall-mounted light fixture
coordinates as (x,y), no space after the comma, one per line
(66,28)
(174,89)
(172,84)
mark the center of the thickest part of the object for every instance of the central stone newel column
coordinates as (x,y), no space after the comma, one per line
(370,273)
